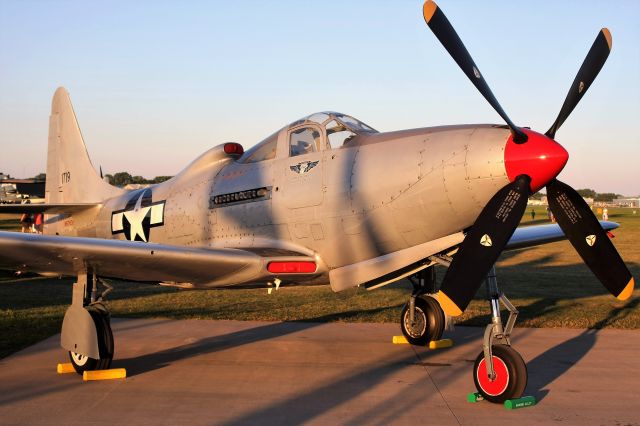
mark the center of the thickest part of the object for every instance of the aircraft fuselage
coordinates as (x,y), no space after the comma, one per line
(379,194)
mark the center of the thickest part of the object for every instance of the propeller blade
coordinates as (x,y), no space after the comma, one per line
(587,73)
(443,30)
(482,245)
(591,242)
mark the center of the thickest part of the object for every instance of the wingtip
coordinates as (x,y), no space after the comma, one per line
(627,291)
(607,35)
(448,306)
(429,9)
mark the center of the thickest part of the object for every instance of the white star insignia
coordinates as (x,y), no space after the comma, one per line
(139,219)
(135,218)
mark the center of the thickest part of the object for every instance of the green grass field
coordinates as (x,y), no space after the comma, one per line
(549,284)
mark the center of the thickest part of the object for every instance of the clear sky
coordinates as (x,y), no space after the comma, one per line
(154,83)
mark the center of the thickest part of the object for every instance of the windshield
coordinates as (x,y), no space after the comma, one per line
(265,150)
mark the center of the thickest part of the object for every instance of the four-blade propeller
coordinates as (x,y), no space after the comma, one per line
(498,220)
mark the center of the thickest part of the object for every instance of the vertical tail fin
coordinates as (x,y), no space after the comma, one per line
(71,178)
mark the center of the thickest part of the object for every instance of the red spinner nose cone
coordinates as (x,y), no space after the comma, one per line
(541,158)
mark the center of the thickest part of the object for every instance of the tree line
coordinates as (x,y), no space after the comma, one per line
(604,196)
(586,193)
(119,179)
(124,178)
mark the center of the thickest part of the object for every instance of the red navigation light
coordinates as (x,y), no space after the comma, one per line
(233,148)
(291,267)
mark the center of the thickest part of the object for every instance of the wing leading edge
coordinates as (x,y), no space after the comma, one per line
(202,267)
(529,236)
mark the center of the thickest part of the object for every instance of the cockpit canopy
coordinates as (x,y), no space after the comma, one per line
(334,120)
(338,130)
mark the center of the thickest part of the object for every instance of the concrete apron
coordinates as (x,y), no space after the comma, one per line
(233,372)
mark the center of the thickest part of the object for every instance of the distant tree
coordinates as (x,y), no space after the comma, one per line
(40,176)
(121,179)
(607,196)
(124,178)
(160,179)
(538,196)
(587,193)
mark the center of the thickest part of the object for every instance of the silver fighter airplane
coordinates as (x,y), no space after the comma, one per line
(325,200)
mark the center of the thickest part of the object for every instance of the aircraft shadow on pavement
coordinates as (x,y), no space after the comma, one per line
(556,361)
(308,405)
(156,360)
(314,402)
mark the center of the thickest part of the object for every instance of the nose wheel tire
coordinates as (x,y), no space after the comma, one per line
(82,363)
(510,375)
(428,322)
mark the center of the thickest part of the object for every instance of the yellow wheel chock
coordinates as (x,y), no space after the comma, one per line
(66,368)
(434,344)
(114,373)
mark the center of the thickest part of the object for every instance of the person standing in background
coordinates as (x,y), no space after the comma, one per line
(26,220)
(38,223)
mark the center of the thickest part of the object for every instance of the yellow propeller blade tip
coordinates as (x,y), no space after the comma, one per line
(626,293)
(447,305)
(429,9)
(607,36)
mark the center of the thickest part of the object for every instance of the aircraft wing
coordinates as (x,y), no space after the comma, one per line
(136,261)
(46,208)
(529,236)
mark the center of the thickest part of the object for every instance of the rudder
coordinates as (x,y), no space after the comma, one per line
(71,178)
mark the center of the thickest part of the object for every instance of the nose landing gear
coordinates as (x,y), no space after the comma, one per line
(499,372)
(509,374)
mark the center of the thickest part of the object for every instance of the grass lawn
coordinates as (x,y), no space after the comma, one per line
(549,284)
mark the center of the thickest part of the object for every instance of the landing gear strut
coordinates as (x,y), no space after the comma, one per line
(499,372)
(86,329)
(422,319)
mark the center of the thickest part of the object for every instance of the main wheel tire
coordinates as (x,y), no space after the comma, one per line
(428,321)
(511,375)
(82,363)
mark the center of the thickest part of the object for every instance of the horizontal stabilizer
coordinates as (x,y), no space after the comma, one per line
(62,208)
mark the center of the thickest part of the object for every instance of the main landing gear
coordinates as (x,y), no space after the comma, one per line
(499,372)
(422,319)
(86,328)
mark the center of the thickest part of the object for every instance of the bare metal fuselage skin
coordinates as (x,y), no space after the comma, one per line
(381,193)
